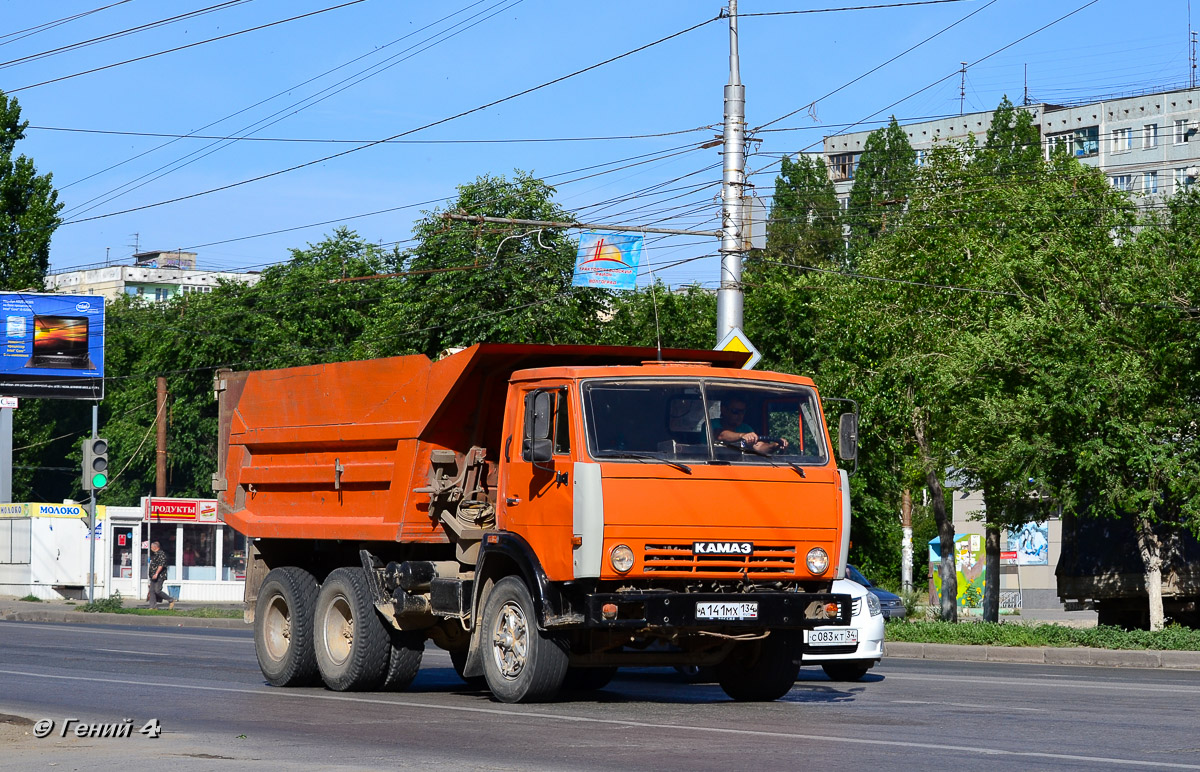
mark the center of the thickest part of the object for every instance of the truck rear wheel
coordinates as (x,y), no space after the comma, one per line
(520,662)
(404,659)
(283,627)
(352,645)
(760,671)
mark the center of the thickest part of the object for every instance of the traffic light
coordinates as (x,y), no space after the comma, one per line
(95,464)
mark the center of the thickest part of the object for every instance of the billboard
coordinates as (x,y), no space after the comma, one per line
(971,569)
(1031,544)
(53,346)
(608,260)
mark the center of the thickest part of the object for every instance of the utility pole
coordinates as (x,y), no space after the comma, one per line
(962,88)
(160,466)
(733,184)
(92,516)
(906,545)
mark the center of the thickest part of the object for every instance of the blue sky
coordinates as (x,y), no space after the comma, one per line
(499,48)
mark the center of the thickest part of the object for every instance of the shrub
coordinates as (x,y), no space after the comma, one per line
(110,605)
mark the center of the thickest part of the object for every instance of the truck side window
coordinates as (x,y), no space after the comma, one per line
(562,424)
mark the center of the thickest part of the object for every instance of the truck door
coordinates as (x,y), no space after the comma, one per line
(537,489)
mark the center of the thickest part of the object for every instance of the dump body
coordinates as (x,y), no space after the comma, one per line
(593,479)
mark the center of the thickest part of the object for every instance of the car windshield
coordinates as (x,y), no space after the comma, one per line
(854,574)
(702,421)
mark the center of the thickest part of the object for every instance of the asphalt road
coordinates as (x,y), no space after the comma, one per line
(215,711)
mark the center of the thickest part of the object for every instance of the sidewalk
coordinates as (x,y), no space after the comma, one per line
(67,612)
(1137,658)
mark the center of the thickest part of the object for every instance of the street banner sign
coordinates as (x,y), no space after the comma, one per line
(608,260)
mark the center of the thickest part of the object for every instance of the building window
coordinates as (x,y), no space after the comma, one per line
(1122,181)
(1149,183)
(1086,142)
(922,157)
(1150,135)
(1182,180)
(843,166)
(1059,143)
(1181,131)
(1122,140)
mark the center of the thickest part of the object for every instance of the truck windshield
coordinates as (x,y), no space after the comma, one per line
(698,421)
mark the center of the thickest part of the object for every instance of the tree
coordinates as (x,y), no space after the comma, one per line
(468,283)
(29,207)
(678,319)
(883,183)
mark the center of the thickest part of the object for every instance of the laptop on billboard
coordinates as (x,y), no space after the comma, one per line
(60,342)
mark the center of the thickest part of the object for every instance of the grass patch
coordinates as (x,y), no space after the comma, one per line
(32,599)
(115,604)
(1172,638)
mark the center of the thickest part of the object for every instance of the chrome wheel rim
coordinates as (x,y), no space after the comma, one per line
(510,640)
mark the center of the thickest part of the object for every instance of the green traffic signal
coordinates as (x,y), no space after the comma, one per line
(95,463)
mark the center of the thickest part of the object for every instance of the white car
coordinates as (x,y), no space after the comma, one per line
(847,653)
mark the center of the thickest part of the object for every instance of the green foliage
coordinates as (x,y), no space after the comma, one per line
(32,599)
(113,604)
(29,207)
(471,283)
(685,318)
(883,183)
(1172,638)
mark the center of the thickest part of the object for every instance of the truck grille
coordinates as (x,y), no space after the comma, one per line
(678,558)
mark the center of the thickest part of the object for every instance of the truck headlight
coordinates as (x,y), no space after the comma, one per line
(873,605)
(817,560)
(621,558)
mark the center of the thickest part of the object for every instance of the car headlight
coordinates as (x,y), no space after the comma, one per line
(621,558)
(817,560)
(873,605)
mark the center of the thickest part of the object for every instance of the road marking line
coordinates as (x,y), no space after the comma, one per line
(976,705)
(140,653)
(517,712)
(1140,688)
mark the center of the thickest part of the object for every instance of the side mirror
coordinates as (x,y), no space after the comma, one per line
(848,437)
(537,446)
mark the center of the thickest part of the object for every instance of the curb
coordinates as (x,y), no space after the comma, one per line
(1168,660)
(120,620)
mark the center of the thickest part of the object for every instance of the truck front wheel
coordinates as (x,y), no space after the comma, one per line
(760,671)
(352,645)
(283,627)
(520,662)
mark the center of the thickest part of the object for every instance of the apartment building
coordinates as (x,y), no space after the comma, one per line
(155,276)
(1147,145)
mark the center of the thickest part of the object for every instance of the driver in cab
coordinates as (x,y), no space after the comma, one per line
(731,428)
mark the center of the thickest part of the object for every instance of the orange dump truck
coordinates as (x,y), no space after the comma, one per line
(546,514)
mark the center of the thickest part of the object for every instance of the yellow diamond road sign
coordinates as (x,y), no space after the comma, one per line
(736,340)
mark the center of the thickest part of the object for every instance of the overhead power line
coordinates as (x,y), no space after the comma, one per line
(21,34)
(314,140)
(189,45)
(121,33)
(429,125)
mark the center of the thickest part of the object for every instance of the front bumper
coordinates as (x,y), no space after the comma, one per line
(678,610)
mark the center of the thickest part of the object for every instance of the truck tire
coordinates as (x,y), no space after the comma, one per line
(352,645)
(520,662)
(588,679)
(848,670)
(404,659)
(760,671)
(283,627)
